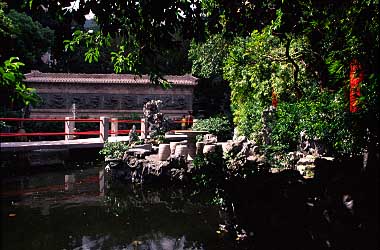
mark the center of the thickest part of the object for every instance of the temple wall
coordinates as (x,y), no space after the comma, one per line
(113,100)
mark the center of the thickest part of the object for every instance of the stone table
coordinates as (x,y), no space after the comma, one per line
(191,140)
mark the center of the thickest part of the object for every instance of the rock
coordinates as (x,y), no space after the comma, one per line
(146,146)
(236,134)
(255,150)
(210,139)
(199,148)
(224,145)
(240,139)
(307,160)
(138,152)
(210,148)
(307,165)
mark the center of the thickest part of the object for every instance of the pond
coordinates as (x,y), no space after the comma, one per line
(82,208)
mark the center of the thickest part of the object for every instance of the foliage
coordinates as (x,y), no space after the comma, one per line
(309,75)
(219,126)
(216,171)
(257,66)
(149,37)
(5,23)
(237,164)
(208,173)
(323,116)
(13,91)
(208,57)
(301,50)
(208,169)
(114,150)
(93,41)
(28,39)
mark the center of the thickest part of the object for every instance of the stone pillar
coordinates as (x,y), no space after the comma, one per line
(114,126)
(144,128)
(69,128)
(103,128)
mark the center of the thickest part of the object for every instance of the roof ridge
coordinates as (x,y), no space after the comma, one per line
(37,76)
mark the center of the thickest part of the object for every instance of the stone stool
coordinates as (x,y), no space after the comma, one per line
(163,152)
(181,150)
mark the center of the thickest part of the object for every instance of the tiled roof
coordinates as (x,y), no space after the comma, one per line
(36,76)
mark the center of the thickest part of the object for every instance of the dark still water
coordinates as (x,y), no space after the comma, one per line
(83,209)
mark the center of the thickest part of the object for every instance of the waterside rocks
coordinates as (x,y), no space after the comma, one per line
(308,164)
(145,170)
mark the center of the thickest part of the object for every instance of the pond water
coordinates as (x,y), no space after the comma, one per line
(82,208)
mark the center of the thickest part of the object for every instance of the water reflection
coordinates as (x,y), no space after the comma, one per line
(156,241)
(84,209)
(69,182)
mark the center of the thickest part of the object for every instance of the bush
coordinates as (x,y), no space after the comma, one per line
(114,150)
(219,126)
(322,116)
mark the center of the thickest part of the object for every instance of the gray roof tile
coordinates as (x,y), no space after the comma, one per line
(39,77)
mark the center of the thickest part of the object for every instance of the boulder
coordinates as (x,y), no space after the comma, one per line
(210,139)
(307,165)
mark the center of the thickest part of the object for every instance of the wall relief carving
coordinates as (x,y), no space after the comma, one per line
(111,102)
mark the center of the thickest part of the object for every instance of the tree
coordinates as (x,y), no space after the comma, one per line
(301,50)
(14,94)
(150,36)
(208,57)
(28,40)
(5,23)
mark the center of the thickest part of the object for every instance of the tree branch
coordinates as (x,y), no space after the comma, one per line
(296,69)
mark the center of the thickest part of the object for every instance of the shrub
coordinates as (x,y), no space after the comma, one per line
(219,126)
(114,150)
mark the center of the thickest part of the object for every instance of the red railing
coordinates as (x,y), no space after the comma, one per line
(125,131)
(71,133)
(51,119)
(113,131)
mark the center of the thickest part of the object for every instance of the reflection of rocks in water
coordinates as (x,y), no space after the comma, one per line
(158,241)
(174,201)
(152,241)
(86,242)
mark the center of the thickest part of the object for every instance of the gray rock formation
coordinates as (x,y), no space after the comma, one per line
(146,170)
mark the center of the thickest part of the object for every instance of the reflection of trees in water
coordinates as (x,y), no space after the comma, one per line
(335,211)
(173,218)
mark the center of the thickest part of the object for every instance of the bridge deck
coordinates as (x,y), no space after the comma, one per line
(70,144)
(62,144)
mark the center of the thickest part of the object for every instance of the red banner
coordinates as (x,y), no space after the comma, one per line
(274,99)
(356,76)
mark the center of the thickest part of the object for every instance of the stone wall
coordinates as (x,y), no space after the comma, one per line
(107,99)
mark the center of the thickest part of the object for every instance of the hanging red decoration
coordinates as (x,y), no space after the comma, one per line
(356,76)
(274,99)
